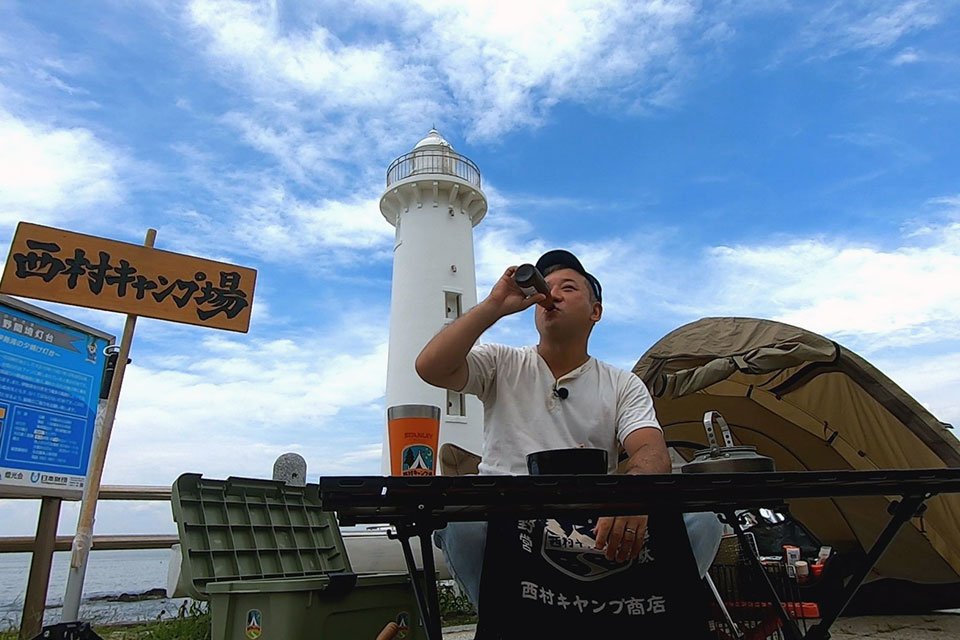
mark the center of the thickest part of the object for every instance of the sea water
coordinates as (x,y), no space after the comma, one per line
(109,573)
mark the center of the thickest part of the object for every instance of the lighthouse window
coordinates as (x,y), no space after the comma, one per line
(454,304)
(455,404)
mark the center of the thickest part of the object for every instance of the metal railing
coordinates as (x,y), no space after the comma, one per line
(441,162)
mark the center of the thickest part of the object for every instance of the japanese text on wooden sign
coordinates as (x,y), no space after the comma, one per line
(72,268)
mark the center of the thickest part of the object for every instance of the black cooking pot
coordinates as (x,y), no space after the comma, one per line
(579,461)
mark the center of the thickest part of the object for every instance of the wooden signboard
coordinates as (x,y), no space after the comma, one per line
(72,268)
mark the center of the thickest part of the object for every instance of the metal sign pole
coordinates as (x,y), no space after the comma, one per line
(106,413)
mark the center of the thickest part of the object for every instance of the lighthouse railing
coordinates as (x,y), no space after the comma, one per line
(435,162)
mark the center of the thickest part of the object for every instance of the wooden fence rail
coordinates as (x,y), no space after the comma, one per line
(46,542)
(25,544)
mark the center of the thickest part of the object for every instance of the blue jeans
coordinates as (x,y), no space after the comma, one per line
(463,545)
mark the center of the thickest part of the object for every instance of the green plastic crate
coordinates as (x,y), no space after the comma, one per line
(248,529)
(313,609)
(273,565)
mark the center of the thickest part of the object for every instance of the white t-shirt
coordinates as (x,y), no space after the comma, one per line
(522,414)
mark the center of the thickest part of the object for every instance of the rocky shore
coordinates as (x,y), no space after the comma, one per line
(149,594)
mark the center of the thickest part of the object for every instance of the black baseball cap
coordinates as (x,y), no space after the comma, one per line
(569,261)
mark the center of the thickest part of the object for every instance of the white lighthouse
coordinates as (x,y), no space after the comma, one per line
(433,198)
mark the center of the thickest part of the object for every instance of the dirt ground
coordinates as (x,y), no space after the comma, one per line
(920,627)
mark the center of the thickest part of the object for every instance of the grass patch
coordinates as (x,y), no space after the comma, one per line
(195,625)
(455,609)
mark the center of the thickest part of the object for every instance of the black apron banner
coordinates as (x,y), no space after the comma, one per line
(544,579)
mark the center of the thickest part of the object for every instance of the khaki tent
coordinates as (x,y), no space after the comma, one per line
(811,404)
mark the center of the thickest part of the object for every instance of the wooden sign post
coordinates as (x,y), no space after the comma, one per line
(72,268)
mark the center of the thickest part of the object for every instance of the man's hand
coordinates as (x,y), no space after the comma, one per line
(389,632)
(621,537)
(508,298)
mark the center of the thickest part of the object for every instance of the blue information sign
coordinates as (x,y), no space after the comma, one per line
(51,369)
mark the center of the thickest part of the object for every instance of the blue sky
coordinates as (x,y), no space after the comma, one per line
(787,160)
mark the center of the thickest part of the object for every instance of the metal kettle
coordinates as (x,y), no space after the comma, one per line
(728,458)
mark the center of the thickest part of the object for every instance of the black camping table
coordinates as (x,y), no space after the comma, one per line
(417,506)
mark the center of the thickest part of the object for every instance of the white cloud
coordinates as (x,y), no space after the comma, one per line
(51,175)
(873,296)
(907,56)
(271,218)
(45,77)
(501,245)
(932,95)
(333,114)
(230,406)
(882,143)
(872,24)
(249,37)
(279,226)
(305,156)
(293,227)
(504,66)
(887,23)
(950,203)
(329,104)
(508,64)
(930,378)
